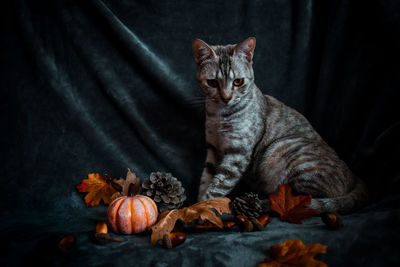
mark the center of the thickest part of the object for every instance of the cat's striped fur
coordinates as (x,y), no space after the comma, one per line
(247,132)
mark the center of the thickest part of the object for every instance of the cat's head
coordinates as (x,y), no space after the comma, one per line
(225,73)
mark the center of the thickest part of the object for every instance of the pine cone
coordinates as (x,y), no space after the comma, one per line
(165,190)
(248,205)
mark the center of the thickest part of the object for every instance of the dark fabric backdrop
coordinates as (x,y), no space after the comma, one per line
(99,86)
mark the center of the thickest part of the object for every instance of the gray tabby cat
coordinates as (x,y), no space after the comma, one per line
(249,132)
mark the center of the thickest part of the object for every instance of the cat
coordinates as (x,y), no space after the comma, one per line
(248,132)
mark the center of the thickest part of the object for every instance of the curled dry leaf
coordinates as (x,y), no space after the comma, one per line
(201,210)
(295,253)
(291,208)
(122,185)
(125,183)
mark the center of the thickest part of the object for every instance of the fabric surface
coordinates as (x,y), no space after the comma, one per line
(100,86)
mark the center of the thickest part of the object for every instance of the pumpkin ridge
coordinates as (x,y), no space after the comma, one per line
(115,217)
(145,212)
(132,208)
(152,203)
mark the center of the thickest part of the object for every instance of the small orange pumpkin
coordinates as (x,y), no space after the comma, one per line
(131,214)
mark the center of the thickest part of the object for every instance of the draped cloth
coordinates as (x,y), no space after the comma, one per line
(101,86)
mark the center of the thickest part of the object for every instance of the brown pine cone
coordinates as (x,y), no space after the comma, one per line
(165,190)
(248,205)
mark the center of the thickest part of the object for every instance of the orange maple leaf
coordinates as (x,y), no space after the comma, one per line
(97,189)
(290,208)
(295,253)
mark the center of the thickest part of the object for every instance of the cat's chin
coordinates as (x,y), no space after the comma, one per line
(235,100)
(232,102)
(221,104)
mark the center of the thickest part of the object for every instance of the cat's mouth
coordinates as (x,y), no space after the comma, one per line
(226,102)
(231,101)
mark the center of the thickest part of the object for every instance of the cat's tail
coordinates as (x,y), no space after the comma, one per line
(353,200)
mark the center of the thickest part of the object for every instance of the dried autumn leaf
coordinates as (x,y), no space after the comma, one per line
(290,208)
(295,253)
(97,188)
(202,210)
(125,183)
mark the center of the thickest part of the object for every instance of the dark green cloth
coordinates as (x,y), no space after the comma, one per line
(100,86)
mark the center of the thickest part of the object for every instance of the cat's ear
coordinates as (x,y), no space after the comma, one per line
(202,51)
(246,48)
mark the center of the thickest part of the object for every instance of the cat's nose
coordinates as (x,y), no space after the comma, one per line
(226,95)
(226,100)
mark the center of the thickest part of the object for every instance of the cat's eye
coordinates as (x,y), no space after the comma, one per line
(238,82)
(212,82)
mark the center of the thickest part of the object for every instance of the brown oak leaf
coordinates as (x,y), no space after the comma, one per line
(295,253)
(125,183)
(202,210)
(97,188)
(290,208)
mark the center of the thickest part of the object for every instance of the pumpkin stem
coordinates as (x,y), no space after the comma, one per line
(134,188)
